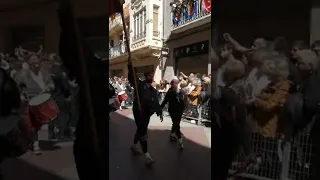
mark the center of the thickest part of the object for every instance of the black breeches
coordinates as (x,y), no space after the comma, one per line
(176,118)
(141,135)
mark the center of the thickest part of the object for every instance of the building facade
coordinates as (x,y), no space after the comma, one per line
(187,36)
(31,24)
(143,21)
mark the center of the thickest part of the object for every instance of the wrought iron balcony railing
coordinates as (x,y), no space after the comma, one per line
(117,51)
(189,11)
(139,36)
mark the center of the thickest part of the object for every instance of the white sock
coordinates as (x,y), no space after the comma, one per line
(36,146)
(147,155)
(180,140)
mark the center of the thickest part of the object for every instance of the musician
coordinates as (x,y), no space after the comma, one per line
(120,90)
(149,105)
(35,81)
(112,94)
(176,99)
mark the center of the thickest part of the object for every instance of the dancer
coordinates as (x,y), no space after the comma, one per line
(149,105)
(176,100)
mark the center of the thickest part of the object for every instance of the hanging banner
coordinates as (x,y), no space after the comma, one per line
(176,15)
(191,9)
(207,5)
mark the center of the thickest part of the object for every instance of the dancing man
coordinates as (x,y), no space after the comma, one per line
(142,112)
(176,100)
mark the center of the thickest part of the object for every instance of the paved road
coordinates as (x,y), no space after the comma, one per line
(58,163)
(171,164)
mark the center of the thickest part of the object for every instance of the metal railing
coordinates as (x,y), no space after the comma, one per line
(117,51)
(182,17)
(139,36)
(291,161)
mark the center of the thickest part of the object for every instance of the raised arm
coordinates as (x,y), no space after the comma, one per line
(237,46)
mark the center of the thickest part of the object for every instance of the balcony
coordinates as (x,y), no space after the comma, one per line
(117,51)
(189,12)
(115,24)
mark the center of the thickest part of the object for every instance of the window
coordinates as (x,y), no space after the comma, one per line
(144,21)
(142,69)
(135,26)
(139,24)
(155,21)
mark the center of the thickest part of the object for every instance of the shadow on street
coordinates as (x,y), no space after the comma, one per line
(24,170)
(171,164)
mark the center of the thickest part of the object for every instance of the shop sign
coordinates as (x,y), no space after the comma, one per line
(192,49)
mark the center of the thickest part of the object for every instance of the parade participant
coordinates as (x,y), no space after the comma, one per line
(120,90)
(176,99)
(62,95)
(149,105)
(35,81)
(112,99)
(15,134)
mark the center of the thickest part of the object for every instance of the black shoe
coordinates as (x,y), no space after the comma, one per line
(173,138)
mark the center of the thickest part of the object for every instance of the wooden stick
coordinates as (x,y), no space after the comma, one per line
(126,36)
(86,86)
